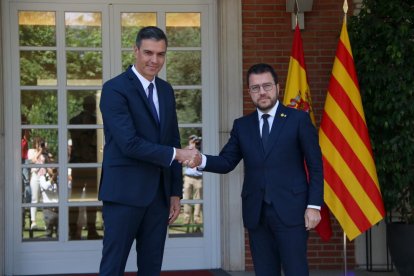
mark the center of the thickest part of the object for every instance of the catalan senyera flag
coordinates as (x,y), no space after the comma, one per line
(297,95)
(351,185)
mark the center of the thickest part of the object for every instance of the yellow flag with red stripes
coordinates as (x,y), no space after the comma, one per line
(297,95)
(351,185)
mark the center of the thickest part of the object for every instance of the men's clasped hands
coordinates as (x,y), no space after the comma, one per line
(189,157)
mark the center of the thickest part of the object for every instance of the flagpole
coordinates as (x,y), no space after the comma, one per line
(297,11)
(345,257)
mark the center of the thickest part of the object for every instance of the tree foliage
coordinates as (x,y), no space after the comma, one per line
(382,39)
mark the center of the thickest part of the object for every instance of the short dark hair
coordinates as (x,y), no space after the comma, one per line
(150,32)
(261,68)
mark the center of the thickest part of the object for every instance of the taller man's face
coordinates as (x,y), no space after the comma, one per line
(258,86)
(150,57)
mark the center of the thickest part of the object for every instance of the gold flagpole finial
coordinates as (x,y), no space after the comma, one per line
(345,7)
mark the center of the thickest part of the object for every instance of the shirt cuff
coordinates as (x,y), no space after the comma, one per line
(203,162)
(173,157)
(314,207)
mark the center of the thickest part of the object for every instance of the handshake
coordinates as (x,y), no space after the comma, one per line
(189,157)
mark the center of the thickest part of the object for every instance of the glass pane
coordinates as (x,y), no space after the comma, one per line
(127,59)
(183,29)
(84,67)
(39,107)
(37,28)
(38,68)
(188,106)
(185,225)
(40,184)
(85,223)
(83,184)
(131,23)
(83,29)
(45,226)
(184,68)
(37,142)
(83,107)
(186,135)
(85,145)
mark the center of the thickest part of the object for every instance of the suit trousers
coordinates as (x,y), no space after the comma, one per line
(124,223)
(276,246)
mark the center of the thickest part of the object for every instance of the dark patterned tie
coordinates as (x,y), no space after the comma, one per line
(151,102)
(265,130)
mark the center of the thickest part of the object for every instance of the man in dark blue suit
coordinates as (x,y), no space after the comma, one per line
(141,182)
(281,201)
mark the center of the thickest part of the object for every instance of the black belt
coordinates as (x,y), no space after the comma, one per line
(196,177)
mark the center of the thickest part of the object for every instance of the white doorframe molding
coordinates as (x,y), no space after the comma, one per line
(2,159)
(231,107)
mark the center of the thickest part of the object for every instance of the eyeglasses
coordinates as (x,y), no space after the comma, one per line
(268,86)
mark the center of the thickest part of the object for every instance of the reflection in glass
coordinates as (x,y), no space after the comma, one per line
(43,180)
(85,223)
(37,28)
(85,145)
(191,229)
(39,107)
(83,184)
(192,189)
(39,184)
(184,68)
(84,67)
(188,106)
(47,224)
(39,140)
(187,132)
(84,103)
(38,68)
(183,29)
(127,59)
(131,23)
(83,29)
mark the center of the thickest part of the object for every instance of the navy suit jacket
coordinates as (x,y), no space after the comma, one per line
(279,169)
(138,151)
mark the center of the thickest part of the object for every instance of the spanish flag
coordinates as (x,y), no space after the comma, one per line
(297,95)
(351,186)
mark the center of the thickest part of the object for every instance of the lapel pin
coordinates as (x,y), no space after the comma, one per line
(283,115)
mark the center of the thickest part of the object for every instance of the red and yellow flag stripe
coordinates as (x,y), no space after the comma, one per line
(351,184)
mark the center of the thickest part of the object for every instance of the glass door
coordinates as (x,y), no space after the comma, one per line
(61,55)
(57,107)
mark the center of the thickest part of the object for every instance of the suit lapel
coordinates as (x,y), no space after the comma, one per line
(254,129)
(162,105)
(278,123)
(141,91)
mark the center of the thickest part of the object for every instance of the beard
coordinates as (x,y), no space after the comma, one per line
(265,103)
